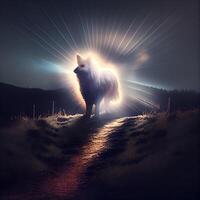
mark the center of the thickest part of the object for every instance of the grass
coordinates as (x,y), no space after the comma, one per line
(30,148)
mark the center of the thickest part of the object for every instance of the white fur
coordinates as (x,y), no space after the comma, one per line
(95,84)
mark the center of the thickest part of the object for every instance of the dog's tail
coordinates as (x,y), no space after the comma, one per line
(114,90)
(112,93)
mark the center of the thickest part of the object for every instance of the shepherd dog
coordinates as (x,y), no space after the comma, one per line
(96,84)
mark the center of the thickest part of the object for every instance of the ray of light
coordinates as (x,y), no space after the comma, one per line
(162,35)
(65,26)
(93,36)
(60,32)
(143,100)
(88,33)
(115,36)
(127,31)
(47,49)
(148,36)
(84,31)
(110,34)
(51,38)
(101,33)
(113,32)
(46,42)
(143,84)
(97,37)
(134,35)
(41,45)
(140,90)
(107,38)
(69,32)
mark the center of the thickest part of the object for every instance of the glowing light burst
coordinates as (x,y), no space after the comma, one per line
(103,42)
(99,63)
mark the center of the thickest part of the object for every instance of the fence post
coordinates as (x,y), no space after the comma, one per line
(53,108)
(33,111)
(169,105)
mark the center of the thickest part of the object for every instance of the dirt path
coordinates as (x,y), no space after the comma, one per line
(142,157)
(66,182)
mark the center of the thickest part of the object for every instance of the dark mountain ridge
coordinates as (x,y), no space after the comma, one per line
(17,101)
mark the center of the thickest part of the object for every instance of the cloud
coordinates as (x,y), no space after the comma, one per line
(141,58)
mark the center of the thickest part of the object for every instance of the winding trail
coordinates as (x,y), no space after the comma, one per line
(66,182)
(119,158)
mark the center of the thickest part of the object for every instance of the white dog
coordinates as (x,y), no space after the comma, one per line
(95,85)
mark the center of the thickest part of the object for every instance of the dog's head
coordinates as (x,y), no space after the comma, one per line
(84,66)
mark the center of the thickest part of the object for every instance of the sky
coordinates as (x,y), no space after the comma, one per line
(153,42)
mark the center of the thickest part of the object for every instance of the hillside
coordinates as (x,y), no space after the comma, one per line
(16,101)
(66,157)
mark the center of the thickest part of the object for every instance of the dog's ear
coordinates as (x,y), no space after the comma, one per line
(79,60)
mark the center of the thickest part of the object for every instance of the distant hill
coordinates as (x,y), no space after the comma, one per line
(180,99)
(16,101)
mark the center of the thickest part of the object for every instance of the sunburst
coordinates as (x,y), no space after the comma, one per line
(102,39)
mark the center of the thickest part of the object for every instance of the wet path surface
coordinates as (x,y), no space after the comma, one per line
(143,157)
(65,183)
(68,180)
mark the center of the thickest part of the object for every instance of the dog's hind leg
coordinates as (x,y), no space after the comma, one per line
(106,105)
(97,109)
(88,110)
